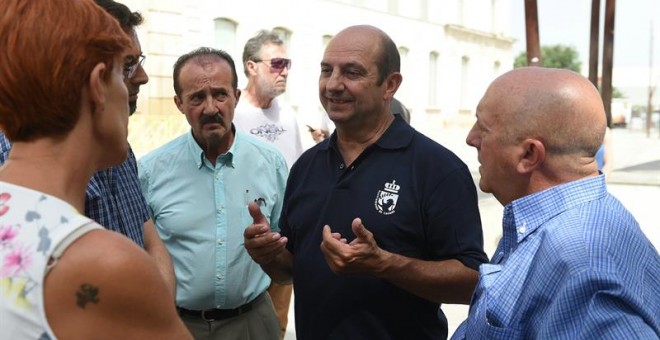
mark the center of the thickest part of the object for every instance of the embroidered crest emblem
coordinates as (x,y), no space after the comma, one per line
(386,198)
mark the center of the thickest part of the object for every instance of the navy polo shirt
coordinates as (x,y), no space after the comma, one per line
(414,195)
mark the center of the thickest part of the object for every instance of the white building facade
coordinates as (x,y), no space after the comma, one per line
(450,51)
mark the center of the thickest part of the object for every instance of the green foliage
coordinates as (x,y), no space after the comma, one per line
(560,56)
(521,60)
(554,56)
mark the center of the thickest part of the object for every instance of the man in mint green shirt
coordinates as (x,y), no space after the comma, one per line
(197,188)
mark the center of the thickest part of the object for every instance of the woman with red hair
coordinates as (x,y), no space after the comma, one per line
(64,107)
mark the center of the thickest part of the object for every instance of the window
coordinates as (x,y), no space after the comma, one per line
(433,79)
(497,66)
(403,53)
(225,35)
(465,76)
(326,39)
(285,34)
(405,90)
(494,24)
(461,13)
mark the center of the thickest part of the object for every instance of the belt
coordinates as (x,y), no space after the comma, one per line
(218,314)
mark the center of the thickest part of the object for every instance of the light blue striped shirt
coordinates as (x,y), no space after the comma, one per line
(200,212)
(572,264)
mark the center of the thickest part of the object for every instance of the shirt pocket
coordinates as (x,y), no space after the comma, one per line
(265,205)
(494,319)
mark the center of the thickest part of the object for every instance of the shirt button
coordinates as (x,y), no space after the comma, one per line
(220,242)
(342,166)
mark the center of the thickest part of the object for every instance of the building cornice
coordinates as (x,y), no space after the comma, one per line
(469,34)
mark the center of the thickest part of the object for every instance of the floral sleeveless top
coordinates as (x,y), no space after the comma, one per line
(32,225)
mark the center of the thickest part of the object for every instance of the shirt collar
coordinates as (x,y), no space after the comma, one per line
(398,135)
(200,158)
(525,215)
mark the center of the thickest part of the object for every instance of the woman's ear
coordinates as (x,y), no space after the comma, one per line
(532,156)
(98,87)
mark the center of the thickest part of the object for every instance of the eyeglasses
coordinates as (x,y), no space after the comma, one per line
(277,63)
(129,70)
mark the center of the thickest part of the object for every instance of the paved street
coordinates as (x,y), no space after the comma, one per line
(635,181)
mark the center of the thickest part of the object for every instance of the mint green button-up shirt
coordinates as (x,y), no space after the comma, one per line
(200,212)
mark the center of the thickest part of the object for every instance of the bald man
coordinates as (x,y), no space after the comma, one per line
(395,214)
(572,262)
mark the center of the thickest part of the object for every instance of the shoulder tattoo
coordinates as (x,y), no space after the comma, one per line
(86,294)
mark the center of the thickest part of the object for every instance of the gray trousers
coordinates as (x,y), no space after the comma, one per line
(260,323)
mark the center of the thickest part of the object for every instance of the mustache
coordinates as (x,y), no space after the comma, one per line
(214,118)
(336,97)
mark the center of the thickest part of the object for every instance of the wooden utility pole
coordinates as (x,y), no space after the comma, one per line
(593,42)
(608,59)
(532,32)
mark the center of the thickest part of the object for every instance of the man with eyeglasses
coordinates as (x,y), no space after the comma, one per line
(114,198)
(262,115)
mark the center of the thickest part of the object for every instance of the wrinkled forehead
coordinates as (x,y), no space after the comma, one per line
(198,73)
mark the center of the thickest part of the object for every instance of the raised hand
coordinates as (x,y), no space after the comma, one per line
(361,256)
(261,243)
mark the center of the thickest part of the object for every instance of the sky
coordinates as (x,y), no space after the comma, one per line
(568,22)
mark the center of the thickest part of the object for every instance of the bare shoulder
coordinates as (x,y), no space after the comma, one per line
(112,288)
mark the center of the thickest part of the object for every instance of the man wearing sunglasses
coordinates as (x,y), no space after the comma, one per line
(114,198)
(262,115)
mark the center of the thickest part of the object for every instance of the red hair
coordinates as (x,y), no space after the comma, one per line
(48,49)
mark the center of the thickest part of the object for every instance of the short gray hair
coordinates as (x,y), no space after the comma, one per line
(253,46)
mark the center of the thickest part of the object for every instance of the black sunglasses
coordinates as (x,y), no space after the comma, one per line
(277,63)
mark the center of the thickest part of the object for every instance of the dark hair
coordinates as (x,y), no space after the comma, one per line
(202,55)
(127,20)
(254,44)
(390,60)
(41,87)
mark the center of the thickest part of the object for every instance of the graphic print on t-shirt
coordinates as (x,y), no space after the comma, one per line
(269,132)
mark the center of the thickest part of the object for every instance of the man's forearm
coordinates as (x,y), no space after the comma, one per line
(446,281)
(280,269)
(156,249)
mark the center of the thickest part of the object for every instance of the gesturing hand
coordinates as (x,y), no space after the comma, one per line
(361,256)
(261,243)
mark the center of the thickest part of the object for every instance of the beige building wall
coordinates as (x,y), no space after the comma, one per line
(466,41)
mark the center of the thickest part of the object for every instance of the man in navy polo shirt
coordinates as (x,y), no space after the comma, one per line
(394,213)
